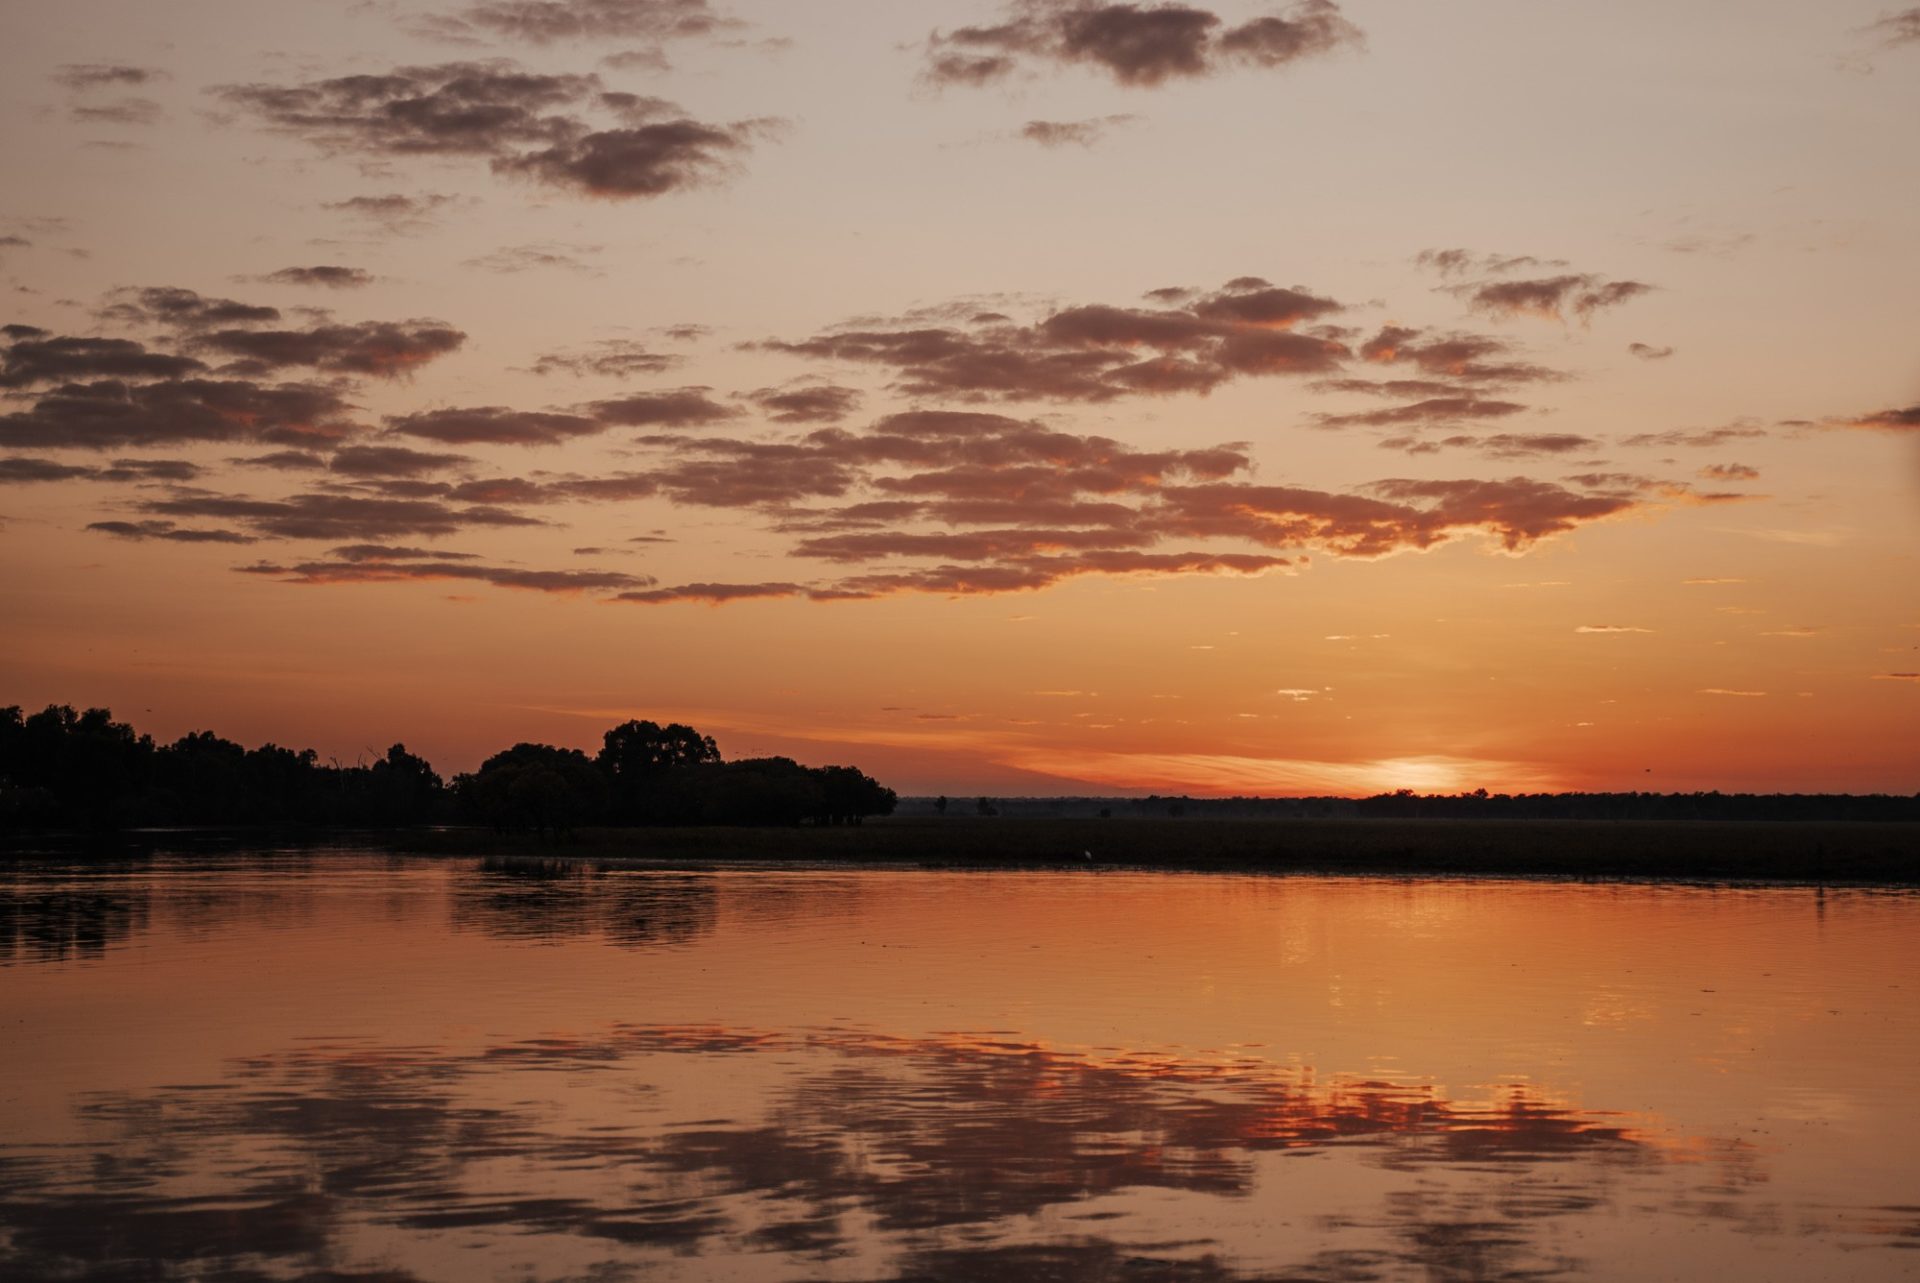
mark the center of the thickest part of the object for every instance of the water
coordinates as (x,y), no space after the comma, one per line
(345,1067)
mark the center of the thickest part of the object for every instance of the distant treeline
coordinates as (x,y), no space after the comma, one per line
(1478,805)
(61,769)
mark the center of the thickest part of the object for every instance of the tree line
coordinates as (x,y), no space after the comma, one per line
(62,769)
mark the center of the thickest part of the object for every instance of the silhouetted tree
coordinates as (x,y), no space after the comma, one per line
(534,786)
(645,766)
(940,805)
(848,796)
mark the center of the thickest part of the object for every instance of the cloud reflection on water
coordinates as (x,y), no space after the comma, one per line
(837,1152)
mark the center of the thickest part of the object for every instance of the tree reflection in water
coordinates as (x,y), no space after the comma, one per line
(536,900)
(40,923)
(839,1152)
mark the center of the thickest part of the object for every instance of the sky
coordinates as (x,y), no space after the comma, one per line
(1048,397)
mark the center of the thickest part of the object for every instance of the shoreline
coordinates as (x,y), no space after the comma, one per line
(1761,851)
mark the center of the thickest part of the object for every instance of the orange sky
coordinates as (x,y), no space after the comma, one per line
(1063,397)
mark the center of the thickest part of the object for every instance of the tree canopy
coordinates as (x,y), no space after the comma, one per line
(61,768)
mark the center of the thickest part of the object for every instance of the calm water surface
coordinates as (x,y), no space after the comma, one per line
(350,1068)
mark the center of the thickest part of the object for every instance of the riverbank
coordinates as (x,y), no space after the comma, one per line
(1812,852)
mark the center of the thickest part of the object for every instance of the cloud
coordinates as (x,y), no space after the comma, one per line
(608,358)
(524,123)
(18,470)
(172,306)
(1551,297)
(807,403)
(23,470)
(110,413)
(1648,352)
(384,349)
(85,77)
(370,563)
(284,461)
(526,258)
(1896,29)
(324,276)
(1610,628)
(392,461)
(121,111)
(1075,133)
(1461,262)
(1469,358)
(1730,472)
(1721,690)
(168,531)
(1138,45)
(494,425)
(350,517)
(1449,409)
(645,160)
(542,22)
(395,212)
(1094,353)
(713,594)
(1906,420)
(32,359)
(1500,445)
(1896,677)
(1706,438)
(677,408)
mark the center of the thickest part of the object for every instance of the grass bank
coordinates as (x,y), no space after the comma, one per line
(1711,850)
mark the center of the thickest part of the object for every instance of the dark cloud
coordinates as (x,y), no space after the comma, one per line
(392,461)
(284,461)
(1906,420)
(349,517)
(1095,353)
(185,309)
(713,593)
(168,531)
(646,160)
(677,408)
(815,403)
(526,258)
(459,108)
(494,425)
(121,111)
(1705,438)
(370,563)
(110,413)
(384,349)
(326,276)
(1138,45)
(37,357)
(1648,352)
(525,123)
(1460,262)
(1896,29)
(1500,445)
(20,469)
(609,358)
(1447,409)
(1553,297)
(1730,472)
(82,77)
(1470,358)
(395,212)
(1076,133)
(545,21)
